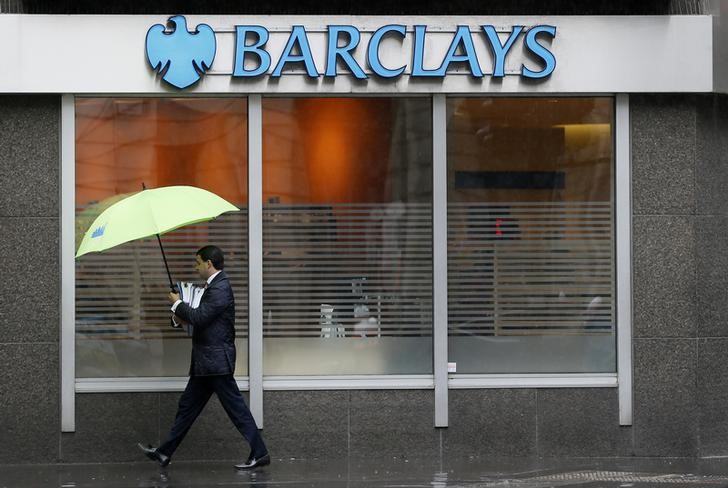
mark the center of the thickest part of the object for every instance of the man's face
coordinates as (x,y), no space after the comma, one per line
(203,268)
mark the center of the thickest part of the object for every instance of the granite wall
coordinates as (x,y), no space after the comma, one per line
(680,248)
(30,288)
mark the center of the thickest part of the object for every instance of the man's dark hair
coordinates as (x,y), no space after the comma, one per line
(213,254)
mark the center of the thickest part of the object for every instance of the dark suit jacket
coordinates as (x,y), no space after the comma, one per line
(213,337)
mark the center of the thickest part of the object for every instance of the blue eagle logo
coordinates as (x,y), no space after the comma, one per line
(98,232)
(180,56)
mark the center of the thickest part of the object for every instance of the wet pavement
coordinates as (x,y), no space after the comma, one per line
(392,472)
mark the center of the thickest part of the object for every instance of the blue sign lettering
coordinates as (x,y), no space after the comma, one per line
(373,51)
(462,39)
(419,54)
(500,51)
(540,51)
(343,52)
(297,39)
(241,49)
(182,57)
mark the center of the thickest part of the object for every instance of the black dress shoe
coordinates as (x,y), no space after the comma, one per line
(253,462)
(154,454)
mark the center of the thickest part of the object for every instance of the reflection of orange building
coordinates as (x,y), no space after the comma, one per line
(337,150)
(349,150)
(316,150)
(160,142)
(329,150)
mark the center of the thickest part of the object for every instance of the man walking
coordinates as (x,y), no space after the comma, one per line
(213,363)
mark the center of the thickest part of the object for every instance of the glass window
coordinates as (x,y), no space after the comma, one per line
(347,236)
(531,235)
(122,314)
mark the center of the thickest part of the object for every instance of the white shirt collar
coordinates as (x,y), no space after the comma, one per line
(209,280)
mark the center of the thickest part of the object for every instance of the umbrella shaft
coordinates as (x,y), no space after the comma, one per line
(164,257)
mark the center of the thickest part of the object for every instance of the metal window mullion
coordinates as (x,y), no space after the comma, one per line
(623,197)
(512,381)
(255,256)
(140,384)
(349,382)
(68,269)
(439,257)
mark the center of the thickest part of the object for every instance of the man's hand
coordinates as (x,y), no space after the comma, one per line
(173,297)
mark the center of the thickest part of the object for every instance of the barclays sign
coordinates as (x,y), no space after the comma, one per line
(182,57)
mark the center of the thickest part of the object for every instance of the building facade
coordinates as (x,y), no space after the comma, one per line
(459,236)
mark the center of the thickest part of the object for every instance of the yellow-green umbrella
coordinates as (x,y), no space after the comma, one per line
(152,212)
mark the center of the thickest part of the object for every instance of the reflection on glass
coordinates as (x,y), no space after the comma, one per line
(122,315)
(531,235)
(347,236)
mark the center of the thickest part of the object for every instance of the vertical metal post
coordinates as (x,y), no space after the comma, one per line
(623,196)
(439,257)
(255,256)
(68,265)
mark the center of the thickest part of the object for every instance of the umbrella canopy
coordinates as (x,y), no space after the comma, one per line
(151,212)
(86,217)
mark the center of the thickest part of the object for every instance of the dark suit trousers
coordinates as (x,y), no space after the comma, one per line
(198,392)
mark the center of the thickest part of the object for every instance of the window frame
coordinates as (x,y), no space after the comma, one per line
(441,381)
